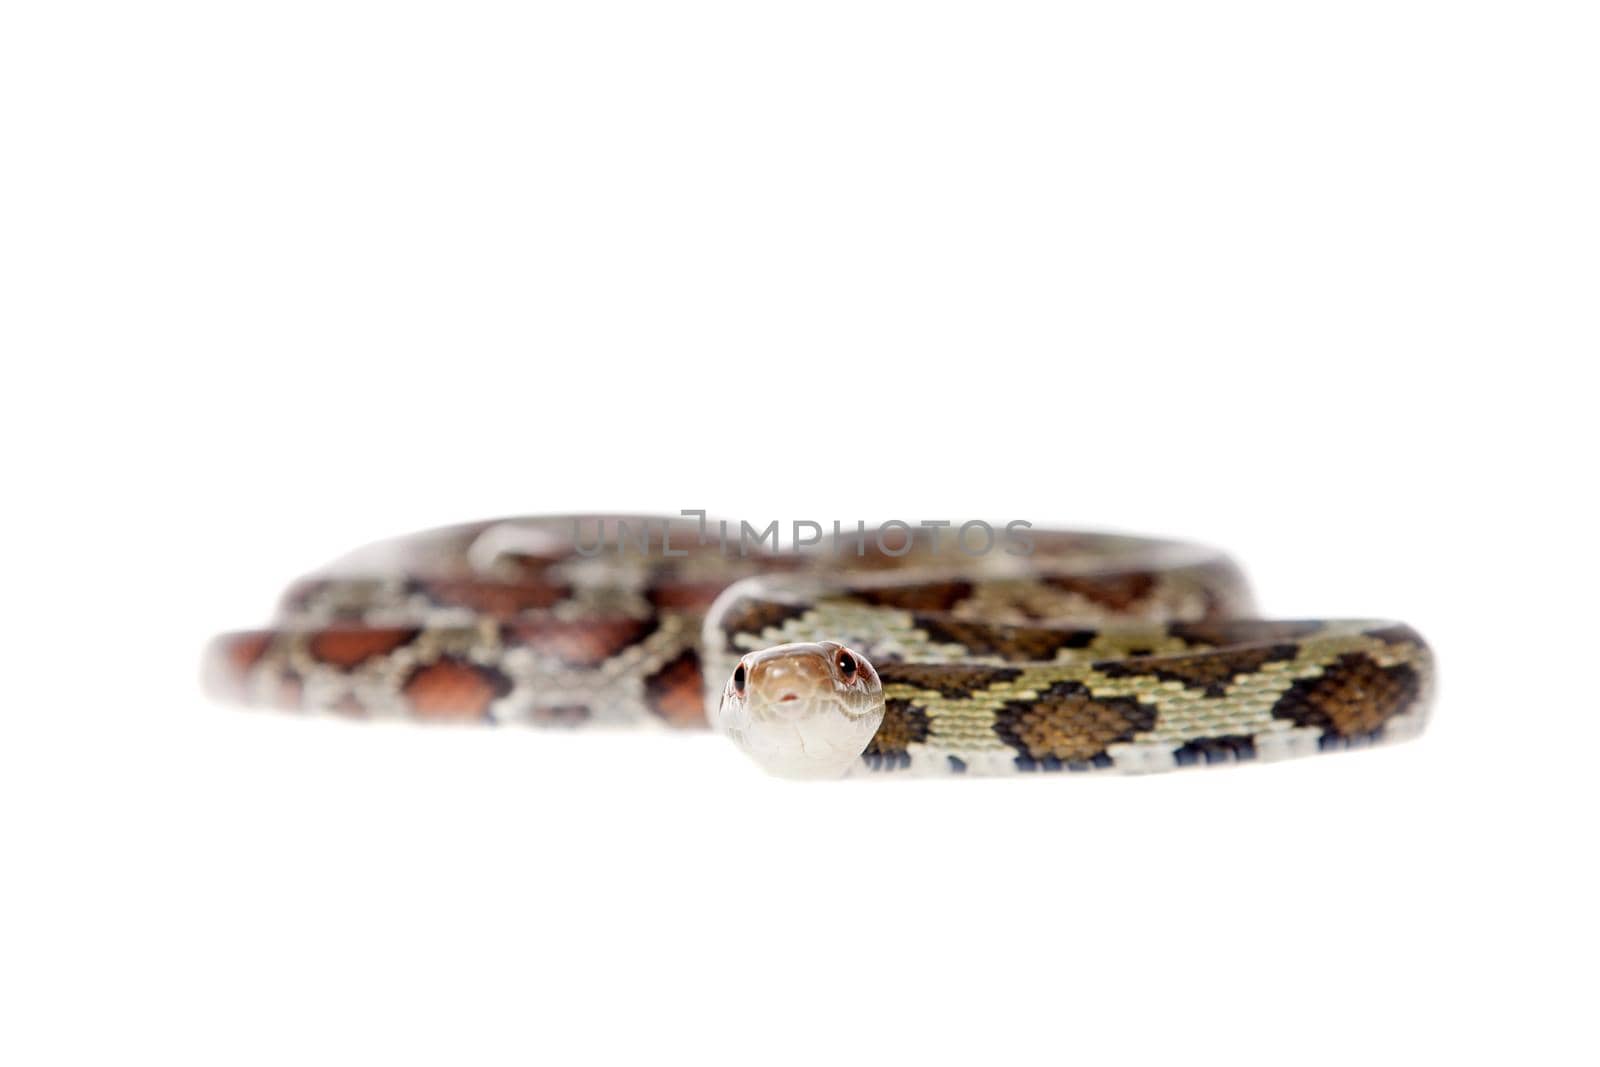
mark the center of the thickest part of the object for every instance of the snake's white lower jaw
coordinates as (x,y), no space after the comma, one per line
(802,739)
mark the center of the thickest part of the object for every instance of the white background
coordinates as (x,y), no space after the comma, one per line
(1315,282)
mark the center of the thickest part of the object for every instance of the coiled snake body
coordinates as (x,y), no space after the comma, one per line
(1086,652)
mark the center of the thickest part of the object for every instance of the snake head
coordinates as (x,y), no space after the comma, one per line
(804,710)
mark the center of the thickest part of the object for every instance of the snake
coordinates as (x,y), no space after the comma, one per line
(939,649)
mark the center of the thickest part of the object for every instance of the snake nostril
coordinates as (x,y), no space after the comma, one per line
(738,679)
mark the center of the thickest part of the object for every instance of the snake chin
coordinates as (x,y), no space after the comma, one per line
(803,710)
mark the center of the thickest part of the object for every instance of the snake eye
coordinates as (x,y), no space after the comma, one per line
(738,679)
(847,664)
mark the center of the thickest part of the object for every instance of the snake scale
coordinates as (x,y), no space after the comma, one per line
(1065,652)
